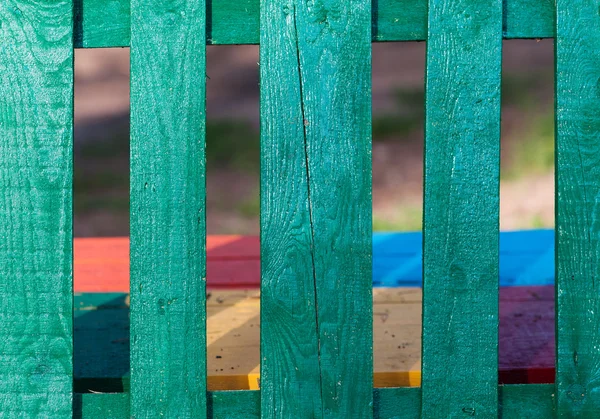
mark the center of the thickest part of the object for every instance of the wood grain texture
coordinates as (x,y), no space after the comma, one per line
(102,23)
(577,208)
(461,209)
(101,406)
(316,332)
(517,401)
(105,23)
(168,232)
(531,401)
(36,138)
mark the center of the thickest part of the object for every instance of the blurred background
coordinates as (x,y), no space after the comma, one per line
(101,183)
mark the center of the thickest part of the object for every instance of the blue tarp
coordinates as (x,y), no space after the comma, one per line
(526,258)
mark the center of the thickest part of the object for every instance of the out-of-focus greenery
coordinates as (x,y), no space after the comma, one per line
(101,181)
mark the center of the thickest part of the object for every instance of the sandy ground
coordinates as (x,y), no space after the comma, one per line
(102,105)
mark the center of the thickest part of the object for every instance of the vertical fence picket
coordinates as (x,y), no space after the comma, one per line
(577,210)
(316,318)
(168,302)
(462,153)
(36,136)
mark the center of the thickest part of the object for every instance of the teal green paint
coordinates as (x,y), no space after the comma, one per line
(234,404)
(168,234)
(461,214)
(577,211)
(316,303)
(101,342)
(397,403)
(102,23)
(36,134)
(535,401)
(101,406)
(531,401)
(105,23)
(528,19)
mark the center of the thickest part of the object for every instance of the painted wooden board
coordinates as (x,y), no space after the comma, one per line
(36,169)
(105,23)
(461,209)
(577,210)
(168,232)
(102,264)
(233,329)
(316,335)
(531,401)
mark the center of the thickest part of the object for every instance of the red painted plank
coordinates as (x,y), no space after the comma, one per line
(102,264)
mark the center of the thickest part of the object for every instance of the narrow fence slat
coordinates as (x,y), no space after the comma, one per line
(168,269)
(316,306)
(577,210)
(36,172)
(461,216)
(105,23)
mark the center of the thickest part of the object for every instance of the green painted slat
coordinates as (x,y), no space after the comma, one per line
(101,406)
(461,215)
(102,23)
(528,19)
(397,403)
(36,139)
(168,233)
(532,401)
(316,303)
(105,23)
(577,210)
(244,404)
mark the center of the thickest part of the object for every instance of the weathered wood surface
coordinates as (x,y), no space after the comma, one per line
(105,23)
(531,401)
(316,334)
(36,139)
(577,208)
(461,209)
(168,273)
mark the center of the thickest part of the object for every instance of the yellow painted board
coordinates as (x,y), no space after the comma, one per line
(234,338)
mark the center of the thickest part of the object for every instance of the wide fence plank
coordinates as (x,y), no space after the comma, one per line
(461,216)
(577,208)
(168,301)
(316,317)
(105,23)
(36,139)
(532,401)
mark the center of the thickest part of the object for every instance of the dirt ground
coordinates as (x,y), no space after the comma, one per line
(101,115)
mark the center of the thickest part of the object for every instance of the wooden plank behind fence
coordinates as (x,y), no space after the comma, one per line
(168,274)
(36,139)
(316,331)
(577,210)
(462,151)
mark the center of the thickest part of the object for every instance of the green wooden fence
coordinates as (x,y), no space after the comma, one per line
(316,337)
